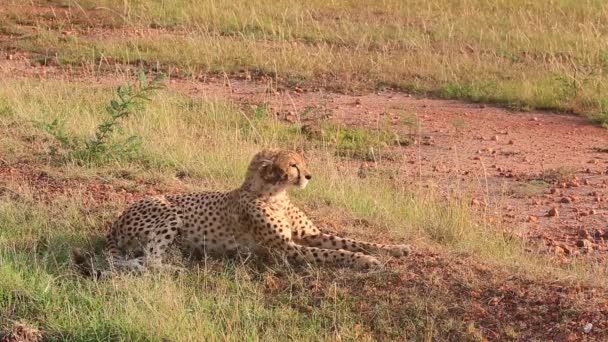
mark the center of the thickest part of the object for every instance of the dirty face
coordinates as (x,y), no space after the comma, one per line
(283,168)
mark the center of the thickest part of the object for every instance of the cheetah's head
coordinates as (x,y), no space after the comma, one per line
(279,169)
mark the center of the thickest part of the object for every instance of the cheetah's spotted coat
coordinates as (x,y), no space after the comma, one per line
(258,217)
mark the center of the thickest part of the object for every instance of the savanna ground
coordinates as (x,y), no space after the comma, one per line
(505,205)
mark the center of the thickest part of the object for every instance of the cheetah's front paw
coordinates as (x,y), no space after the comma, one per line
(398,251)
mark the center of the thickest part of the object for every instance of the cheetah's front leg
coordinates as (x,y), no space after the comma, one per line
(307,234)
(273,232)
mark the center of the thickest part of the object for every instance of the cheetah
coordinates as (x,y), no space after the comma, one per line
(257,218)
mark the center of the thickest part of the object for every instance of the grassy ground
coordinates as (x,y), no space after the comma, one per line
(523,53)
(548,54)
(54,202)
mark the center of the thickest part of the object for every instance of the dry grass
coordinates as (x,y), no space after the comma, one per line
(529,54)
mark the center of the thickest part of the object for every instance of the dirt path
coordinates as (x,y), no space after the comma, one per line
(545,175)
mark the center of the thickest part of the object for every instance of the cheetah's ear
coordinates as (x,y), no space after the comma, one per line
(265,162)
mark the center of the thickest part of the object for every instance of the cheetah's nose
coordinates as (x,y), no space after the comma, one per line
(308,177)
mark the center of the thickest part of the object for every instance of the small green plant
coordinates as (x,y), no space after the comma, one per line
(411,120)
(102,146)
(459,123)
(357,142)
(600,118)
(532,188)
(559,174)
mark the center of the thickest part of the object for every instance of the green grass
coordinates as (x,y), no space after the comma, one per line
(213,140)
(522,53)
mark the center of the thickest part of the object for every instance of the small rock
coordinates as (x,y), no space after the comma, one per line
(511,142)
(597,234)
(475,202)
(587,328)
(584,234)
(535,119)
(495,138)
(52,61)
(553,212)
(592,212)
(565,200)
(181,174)
(358,102)
(584,243)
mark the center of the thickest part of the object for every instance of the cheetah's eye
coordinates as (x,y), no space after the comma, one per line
(292,165)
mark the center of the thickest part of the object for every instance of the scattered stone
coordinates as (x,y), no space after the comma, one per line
(584,243)
(592,212)
(587,328)
(475,202)
(52,61)
(553,212)
(535,119)
(565,200)
(181,174)
(584,234)
(476,158)
(597,234)
(511,142)
(358,102)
